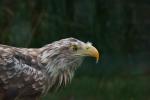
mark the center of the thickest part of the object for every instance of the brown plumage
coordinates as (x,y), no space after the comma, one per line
(28,74)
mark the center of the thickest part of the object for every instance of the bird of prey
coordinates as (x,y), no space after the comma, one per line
(29,73)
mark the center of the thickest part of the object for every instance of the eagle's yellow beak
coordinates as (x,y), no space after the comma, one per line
(90,50)
(93,52)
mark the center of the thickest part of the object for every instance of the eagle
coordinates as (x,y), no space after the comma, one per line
(30,73)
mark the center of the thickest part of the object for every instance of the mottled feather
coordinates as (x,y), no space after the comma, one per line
(30,73)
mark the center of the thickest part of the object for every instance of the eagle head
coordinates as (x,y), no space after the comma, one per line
(62,57)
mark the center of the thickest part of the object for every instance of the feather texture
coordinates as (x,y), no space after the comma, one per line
(30,73)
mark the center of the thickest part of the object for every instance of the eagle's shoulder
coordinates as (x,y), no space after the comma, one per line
(19,66)
(21,54)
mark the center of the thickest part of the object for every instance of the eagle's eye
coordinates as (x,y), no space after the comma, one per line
(74,47)
(87,48)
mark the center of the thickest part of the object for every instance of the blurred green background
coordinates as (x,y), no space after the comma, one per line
(118,28)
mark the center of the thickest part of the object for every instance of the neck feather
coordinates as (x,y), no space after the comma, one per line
(61,74)
(59,68)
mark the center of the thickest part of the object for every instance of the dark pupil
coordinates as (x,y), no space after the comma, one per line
(75,48)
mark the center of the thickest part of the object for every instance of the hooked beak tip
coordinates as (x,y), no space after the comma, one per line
(93,52)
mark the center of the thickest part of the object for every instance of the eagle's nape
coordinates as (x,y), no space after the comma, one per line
(27,74)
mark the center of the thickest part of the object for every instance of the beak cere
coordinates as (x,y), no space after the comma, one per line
(93,52)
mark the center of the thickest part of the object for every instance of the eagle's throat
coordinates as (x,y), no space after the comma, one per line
(62,74)
(60,69)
